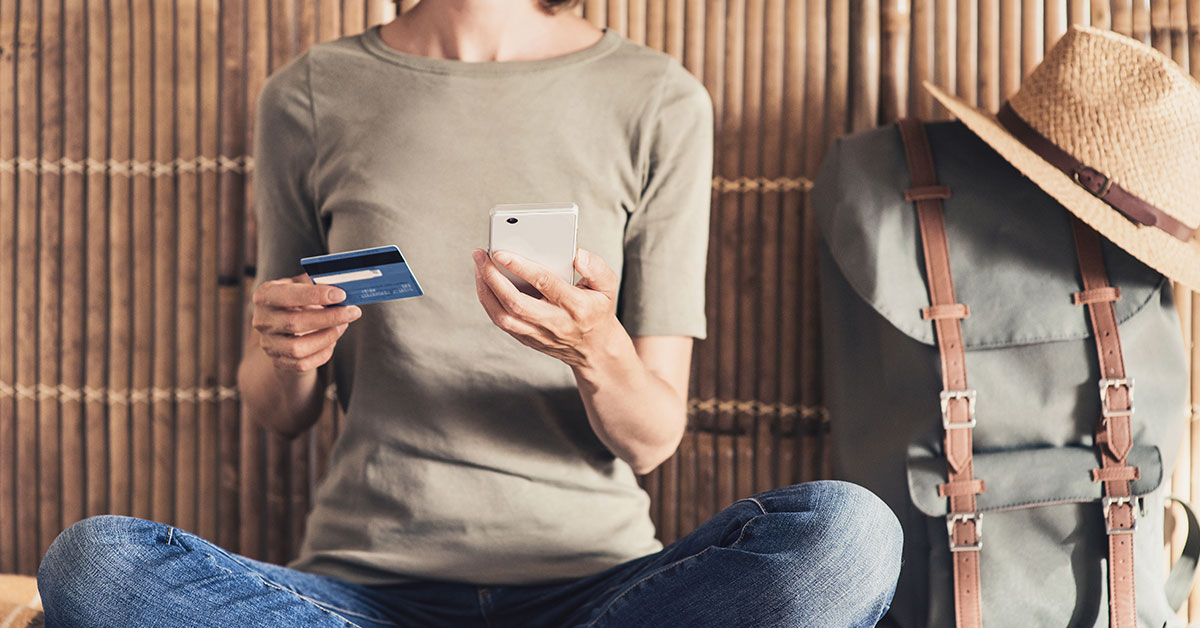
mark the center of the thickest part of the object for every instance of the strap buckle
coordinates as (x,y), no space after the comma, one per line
(963,517)
(946,396)
(1105,385)
(1107,503)
(1080,170)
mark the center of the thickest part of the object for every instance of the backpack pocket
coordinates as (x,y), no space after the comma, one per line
(1043,559)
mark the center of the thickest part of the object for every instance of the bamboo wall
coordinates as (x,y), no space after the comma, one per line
(125,222)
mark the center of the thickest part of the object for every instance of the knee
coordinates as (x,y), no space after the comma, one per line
(91,563)
(847,533)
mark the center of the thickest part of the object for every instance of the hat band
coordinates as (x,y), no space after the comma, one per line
(1098,183)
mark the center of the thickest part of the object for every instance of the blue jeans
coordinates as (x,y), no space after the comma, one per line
(820,554)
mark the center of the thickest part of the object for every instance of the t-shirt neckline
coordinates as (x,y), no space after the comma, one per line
(374,43)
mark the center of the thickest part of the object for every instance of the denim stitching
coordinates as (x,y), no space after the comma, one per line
(608,607)
(756,503)
(322,605)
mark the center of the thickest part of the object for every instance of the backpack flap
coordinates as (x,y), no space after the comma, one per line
(1011,248)
(1026,478)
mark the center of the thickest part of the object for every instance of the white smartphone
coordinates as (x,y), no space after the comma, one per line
(539,232)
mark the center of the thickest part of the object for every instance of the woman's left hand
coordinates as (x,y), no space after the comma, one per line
(571,323)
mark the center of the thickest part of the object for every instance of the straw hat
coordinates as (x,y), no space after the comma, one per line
(1110,128)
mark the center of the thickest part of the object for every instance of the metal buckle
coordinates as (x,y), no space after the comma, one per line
(1103,188)
(946,396)
(1107,504)
(1106,384)
(956,517)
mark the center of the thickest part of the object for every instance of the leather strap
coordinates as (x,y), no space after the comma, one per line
(963,524)
(1114,431)
(1098,183)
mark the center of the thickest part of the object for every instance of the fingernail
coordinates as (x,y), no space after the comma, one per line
(336,295)
(477,256)
(355,312)
(502,257)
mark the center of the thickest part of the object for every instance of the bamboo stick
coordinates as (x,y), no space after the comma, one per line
(921,59)
(1180,484)
(636,11)
(967,60)
(187,480)
(751,267)
(729,211)
(282,33)
(656,24)
(618,16)
(989,55)
(1141,21)
(1011,72)
(944,52)
(353,19)
(1122,16)
(772,248)
(819,133)
(142,247)
(231,223)
(864,64)
(9,453)
(120,262)
(674,26)
(72,284)
(163,260)
(714,78)
(306,24)
(1054,23)
(596,11)
(1194,415)
(1077,12)
(895,31)
(328,25)
(798,125)
(96,375)
(208,448)
(1178,29)
(28,122)
(377,12)
(1031,35)
(1101,14)
(837,78)
(264,464)
(50,243)
(1160,25)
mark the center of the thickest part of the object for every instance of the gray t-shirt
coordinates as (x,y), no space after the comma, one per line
(466,456)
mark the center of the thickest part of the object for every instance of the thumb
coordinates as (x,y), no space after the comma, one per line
(596,274)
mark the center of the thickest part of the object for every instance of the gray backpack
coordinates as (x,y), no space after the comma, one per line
(1016,448)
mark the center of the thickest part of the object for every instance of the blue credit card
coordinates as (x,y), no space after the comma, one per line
(366,275)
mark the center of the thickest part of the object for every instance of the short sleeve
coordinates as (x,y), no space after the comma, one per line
(284,151)
(666,237)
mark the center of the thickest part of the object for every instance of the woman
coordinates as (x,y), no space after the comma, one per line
(479,482)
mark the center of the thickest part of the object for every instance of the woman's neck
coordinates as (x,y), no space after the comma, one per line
(487,30)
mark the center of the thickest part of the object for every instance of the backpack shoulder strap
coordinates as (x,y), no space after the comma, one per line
(964,523)
(1114,432)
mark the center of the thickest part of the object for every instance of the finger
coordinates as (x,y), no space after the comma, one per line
(299,347)
(289,293)
(550,285)
(303,364)
(303,321)
(499,315)
(516,302)
(596,273)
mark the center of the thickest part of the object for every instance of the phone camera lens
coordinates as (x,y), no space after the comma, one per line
(511,221)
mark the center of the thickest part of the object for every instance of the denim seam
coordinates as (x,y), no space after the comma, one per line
(608,607)
(329,608)
(755,502)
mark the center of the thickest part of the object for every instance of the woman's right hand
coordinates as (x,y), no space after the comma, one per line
(295,329)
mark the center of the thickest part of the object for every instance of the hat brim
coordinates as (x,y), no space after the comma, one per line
(1156,248)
